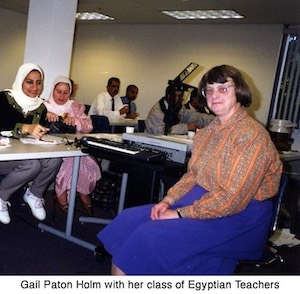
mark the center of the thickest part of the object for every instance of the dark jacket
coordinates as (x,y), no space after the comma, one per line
(12,116)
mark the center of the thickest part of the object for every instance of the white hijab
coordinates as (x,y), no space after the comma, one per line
(51,105)
(26,103)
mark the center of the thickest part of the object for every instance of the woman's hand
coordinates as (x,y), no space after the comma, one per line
(161,211)
(36,130)
(52,117)
(70,121)
(169,214)
(158,209)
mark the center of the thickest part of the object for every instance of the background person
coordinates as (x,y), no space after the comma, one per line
(197,103)
(220,210)
(23,113)
(71,112)
(75,88)
(129,98)
(109,103)
(168,116)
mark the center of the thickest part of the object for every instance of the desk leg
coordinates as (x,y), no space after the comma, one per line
(69,222)
(152,186)
(122,192)
(104,221)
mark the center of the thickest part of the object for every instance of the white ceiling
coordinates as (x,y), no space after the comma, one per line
(286,12)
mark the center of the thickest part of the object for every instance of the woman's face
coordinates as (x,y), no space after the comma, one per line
(32,85)
(221,99)
(61,93)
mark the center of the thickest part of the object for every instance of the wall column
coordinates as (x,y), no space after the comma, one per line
(49,37)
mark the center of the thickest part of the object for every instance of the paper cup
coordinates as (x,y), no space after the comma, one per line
(191,135)
(130,130)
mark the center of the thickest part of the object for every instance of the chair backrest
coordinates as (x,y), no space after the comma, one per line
(141,125)
(100,124)
(87,108)
(277,202)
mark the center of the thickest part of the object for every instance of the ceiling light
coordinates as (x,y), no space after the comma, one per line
(92,16)
(202,14)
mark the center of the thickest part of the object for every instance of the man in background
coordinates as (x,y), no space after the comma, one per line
(128,99)
(197,103)
(168,116)
(109,103)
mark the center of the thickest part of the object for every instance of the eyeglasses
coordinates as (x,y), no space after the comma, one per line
(223,90)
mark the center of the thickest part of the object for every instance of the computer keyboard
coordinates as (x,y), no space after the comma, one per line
(130,149)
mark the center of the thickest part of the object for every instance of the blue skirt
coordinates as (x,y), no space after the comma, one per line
(140,246)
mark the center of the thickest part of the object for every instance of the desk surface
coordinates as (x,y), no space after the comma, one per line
(19,151)
(289,155)
(123,122)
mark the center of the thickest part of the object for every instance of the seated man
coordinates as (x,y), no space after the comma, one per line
(168,116)
(109,103)
(197,103)
(131,94)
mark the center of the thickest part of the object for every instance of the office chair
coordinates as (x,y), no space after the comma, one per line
(141,126)
(100,124)
(270,254)
(87,108)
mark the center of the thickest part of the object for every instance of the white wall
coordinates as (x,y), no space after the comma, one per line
(12,40)
(150,55)
(49,38)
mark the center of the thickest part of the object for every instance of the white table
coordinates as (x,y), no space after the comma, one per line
(289,156)
(122,122)
(20,151)
(291,164)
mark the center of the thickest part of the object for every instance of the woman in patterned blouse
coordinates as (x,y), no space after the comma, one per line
(220,210)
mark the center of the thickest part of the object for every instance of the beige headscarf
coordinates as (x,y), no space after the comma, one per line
(26,103)
(52,106)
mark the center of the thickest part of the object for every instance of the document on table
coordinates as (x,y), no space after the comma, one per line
(45,140)
(4,143)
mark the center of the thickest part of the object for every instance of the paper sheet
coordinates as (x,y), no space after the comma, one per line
(46,140)
(284,237)
(4,143)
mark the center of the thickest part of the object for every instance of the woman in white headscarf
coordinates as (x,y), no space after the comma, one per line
(69,112)
(23,113)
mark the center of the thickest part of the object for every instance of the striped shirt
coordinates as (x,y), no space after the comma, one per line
(235,162)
